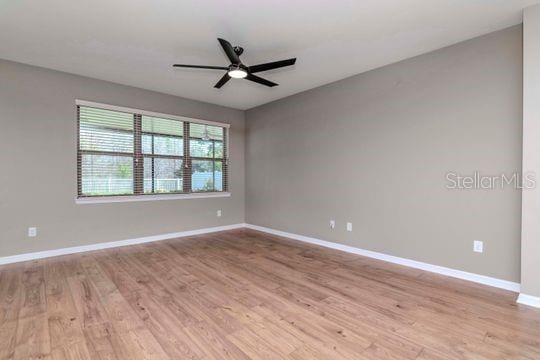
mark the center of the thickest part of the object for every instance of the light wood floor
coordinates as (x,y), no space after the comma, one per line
(243,294)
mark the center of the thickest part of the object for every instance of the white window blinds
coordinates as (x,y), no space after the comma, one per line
(130,153)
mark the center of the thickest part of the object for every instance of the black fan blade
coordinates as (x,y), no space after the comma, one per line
(201,67)
(271,65)
(229,51)
(260,80)
(222,81)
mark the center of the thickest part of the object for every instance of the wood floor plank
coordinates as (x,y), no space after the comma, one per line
(33,340)
(33,301)
(10,296)
(242,294)
(64,326)
(8,339)
(213,342)
(254,346)
(165,327)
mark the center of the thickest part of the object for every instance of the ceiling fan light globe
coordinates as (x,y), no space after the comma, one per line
(238,73)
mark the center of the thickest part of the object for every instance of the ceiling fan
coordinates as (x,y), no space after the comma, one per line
(237,70)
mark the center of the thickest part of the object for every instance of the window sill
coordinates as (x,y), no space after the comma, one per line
(130,198)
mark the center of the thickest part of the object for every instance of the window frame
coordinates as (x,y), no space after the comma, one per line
(138,158)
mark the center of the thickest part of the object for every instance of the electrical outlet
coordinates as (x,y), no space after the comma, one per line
(478,246)
(349,226)
(218,213)
(332,224)
(32,232)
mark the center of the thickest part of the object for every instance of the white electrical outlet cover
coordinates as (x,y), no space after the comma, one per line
(478,246)
(218,213)
(332,224)
(32,231)
(349,226)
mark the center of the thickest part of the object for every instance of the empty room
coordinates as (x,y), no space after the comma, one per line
(270,179)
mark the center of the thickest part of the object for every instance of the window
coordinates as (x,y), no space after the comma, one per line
(125,152)
(206,150)
(163,155)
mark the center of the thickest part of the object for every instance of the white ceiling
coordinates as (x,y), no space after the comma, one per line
(135,42)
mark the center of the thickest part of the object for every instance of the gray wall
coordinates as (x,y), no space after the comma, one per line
(374,149)
(38,165)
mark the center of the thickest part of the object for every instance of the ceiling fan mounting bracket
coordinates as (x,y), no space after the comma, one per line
(238,50)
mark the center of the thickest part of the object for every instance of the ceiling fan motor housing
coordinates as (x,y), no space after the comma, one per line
(238,67)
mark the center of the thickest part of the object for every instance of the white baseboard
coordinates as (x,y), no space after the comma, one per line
(482,279)
(112,244)
(528,300)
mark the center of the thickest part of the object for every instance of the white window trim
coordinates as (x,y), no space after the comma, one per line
(149,113)
(149,197)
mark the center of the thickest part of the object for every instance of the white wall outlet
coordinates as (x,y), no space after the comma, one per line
(218,213)
(332,224)
(32,232)
(349,226)
(478,246)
